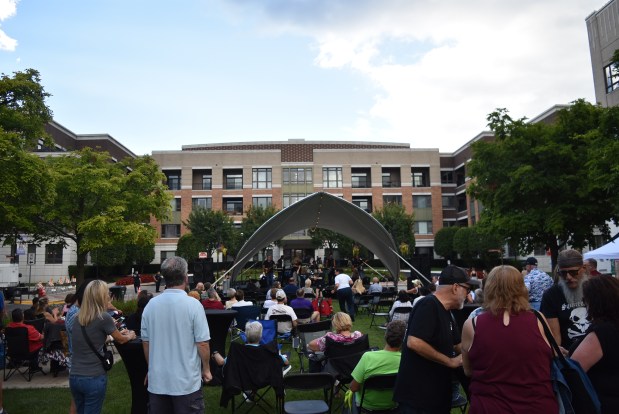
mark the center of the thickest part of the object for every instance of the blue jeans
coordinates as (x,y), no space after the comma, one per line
(88,393)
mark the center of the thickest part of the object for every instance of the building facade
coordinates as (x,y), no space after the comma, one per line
(603,30)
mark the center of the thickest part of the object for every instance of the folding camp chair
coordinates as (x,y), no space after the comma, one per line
(18,357)
(307,333)
(283,336)
(251,371)
(244,313)
(342,358)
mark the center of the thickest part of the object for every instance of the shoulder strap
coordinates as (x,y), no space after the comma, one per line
(550,337)
(474,322)
(91,345)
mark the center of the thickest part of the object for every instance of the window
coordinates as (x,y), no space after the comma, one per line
(261,178)
(261,202)
(397,199)
(53,253)
(364,203)
(297,175)
(203,202)
(165,254)
(423,227)
(611,78)
(233,206)
(422,201)
(332,177)
(233,179)
(170,231)
(390,177)
(420,177)
(290,199)
(360,178)
(447,177)
(173,179)
(449,223)
(202,180)
(176,204)
(449,202)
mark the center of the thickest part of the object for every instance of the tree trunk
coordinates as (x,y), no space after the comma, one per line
(81,264)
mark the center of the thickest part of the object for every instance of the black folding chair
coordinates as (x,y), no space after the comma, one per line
(342,358)
(308,382)
(251,371)
(18,357)
(378,383)
(401,313)
(380,309)
(307,333)
(304,315)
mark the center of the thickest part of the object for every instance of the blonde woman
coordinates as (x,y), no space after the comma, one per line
(342,324)
(88,379)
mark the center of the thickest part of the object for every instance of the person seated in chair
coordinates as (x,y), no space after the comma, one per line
(35,338)
(375,287)
(291,288)
(383,362)
(231,295)
(240,300)
(342,324)
(253,333)
(301,303)
(282,309)
(271,300)
(212,300)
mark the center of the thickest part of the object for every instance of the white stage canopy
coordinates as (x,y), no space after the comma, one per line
(329,212)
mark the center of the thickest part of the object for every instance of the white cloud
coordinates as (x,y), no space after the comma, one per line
(8,8)
(465,59)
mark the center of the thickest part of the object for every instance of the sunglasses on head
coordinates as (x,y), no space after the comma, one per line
(571,272)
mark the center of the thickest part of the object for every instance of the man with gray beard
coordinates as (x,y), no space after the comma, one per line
(562,304)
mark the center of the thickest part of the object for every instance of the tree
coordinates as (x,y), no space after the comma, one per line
(209,230)
(188,247)
(23,110)
(124,254)
(100,203)
(255,217)
(464,243)
(398,223)
(535,180)
(444,242)
(26,185)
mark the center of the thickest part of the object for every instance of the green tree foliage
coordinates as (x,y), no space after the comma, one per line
(398,223)
(537,183)
(26,185)
(254,218)
(188,247)
(23,110)
(124,254)
(209,230)
(444,242)
(100,203)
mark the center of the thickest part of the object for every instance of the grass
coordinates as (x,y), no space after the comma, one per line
(118,396)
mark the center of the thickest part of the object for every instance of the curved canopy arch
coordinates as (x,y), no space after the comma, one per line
(329,212)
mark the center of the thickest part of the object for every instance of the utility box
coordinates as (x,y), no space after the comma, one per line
(9,275)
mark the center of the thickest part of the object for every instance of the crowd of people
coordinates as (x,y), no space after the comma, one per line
(500,358)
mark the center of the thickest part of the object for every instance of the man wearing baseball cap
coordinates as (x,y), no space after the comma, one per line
(282,309)
(536,281)
(432,346)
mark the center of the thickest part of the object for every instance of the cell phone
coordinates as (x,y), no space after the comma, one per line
(120,323)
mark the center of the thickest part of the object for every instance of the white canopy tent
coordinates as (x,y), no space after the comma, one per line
(608,251)
(325,211)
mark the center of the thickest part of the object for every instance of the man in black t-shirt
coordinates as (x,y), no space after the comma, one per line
(431,350)
(562,304)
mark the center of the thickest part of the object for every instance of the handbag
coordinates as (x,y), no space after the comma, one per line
(107,359)
(575,393)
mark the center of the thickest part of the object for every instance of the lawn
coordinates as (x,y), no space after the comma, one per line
(118,397)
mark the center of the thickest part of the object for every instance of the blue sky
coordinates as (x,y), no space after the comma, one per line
(158,75)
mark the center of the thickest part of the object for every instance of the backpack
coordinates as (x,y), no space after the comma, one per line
(323,305)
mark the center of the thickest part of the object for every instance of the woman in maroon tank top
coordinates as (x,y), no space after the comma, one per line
(505,351)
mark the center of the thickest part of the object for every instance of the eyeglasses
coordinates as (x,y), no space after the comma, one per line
(468,288)
(571,272)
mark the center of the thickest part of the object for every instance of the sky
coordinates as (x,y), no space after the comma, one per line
(158,75)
